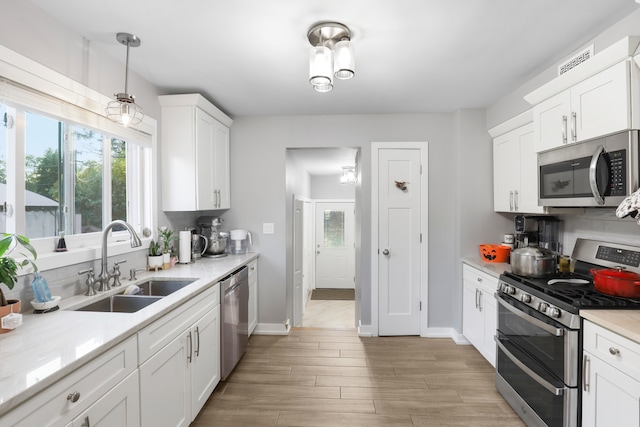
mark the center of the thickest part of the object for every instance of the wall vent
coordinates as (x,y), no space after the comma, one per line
(576,60)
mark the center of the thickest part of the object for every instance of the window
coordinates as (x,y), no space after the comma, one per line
(334,229)
(68,177)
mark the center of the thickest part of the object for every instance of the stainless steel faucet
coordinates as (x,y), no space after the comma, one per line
(104,277)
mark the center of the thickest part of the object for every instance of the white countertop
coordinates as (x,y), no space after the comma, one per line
(623,322)
(494,269)
(47,347)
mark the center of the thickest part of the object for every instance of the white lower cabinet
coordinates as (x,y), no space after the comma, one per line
(479,312)
(611,379)
(253,295)
(96,390)
(177,379)
(119,407)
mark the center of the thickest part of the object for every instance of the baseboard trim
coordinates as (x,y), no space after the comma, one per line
(272,329)
(457,337)
(364,330)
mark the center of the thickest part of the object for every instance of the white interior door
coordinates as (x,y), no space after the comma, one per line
(335,251)
(298,257)
(399,241)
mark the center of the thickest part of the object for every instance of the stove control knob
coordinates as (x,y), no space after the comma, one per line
(554,312)
(542,307)
(510,290)
(525,298)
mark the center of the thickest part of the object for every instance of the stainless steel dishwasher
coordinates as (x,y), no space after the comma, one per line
(234,311)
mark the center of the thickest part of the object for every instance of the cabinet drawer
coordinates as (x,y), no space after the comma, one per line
(619,352)
(479,278)
(164,330)
(54,406)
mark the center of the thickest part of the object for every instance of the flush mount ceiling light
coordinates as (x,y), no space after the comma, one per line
(332,55)
(124,109)
(348,175)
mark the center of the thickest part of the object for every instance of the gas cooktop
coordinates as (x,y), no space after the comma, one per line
(570,296)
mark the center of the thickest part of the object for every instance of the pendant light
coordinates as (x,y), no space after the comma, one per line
(332,55)
(124,109)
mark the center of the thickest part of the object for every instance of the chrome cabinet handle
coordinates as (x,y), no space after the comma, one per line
(86,422)
(574,127)
(511,200)
(479,300)
(476,298)
(190,347)
(593,166)
(614,351)
(385,252)
(198,341)
(515,198)
(73,397)
(564,129)
(586,365)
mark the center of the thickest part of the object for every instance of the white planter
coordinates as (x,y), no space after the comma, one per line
(154,261)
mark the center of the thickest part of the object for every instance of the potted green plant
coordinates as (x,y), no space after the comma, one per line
(165,234)
(9,270)
(154,260)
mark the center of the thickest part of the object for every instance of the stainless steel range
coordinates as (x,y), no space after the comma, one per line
(539,336)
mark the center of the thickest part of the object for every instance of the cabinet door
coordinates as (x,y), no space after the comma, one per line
(490,315)
(221,167)
(472,318)
(205,360)
(552,119)
(165,393)
(602,103)
(527,200)
(253,296)
(506,177)
(206,128)
(611,398)
(119,407)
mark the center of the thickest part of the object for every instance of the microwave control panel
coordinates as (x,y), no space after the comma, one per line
(617,173)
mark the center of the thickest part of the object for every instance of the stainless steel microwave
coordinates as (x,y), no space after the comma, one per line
(598,172)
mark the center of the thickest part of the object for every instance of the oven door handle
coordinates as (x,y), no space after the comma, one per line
(558,332)
(537,378)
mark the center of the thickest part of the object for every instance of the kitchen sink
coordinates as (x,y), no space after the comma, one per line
(161,288)
(121,303)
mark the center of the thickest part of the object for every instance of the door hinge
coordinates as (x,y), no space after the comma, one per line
(420,237)
(420,305)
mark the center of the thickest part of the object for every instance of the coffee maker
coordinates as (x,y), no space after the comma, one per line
(549,231)
(526,230)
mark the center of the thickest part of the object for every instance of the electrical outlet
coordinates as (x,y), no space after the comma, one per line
(268,228)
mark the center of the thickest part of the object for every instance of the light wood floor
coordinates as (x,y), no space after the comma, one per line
(332,377)
(329,314)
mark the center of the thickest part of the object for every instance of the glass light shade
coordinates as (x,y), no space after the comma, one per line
(344,60)
(320,66)
(323,88)
(124,110)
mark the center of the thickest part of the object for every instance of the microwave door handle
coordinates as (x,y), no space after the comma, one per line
(592,175)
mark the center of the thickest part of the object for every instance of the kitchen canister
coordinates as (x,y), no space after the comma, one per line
(184,247)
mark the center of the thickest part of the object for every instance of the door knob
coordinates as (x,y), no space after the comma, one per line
(385,252)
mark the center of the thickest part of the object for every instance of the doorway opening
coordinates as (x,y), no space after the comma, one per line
(322,262)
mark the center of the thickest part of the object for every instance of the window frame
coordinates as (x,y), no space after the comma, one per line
(28,85)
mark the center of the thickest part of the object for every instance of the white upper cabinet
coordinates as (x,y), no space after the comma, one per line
(598,106)
(599,97)
(515,176)
(195,154)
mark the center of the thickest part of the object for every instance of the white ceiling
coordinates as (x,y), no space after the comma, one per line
(250,57)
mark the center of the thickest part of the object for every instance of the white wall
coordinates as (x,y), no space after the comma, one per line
(329,187)
(258,181)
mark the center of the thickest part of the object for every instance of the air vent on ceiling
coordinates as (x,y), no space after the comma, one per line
(576,60)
